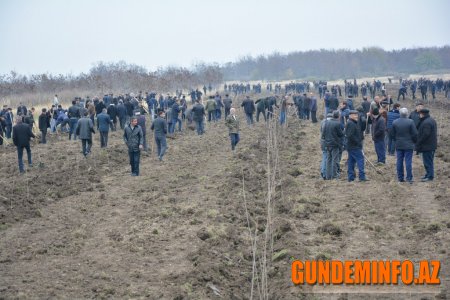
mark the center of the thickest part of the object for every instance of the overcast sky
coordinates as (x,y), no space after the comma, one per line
(68,36)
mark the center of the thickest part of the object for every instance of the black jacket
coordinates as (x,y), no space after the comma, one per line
(415,116)
(198,111)
(133,137)
(427,135)
(353,133)
(379,128)
(160,127)
(332,133)
(22,134)
(404,133)
(74,112)
(44,122)
(112,112)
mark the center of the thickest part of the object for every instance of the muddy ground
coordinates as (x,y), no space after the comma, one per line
(83,228)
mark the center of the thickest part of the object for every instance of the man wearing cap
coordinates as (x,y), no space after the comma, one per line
(378,133)
(333,139)
(354,147)
(427,142)
(404,134)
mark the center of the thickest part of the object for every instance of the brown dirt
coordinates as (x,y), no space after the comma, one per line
(83,228)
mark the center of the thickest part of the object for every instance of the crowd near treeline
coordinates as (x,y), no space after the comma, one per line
(346,120)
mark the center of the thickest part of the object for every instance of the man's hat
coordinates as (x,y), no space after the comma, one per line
(424,111)
(353,112)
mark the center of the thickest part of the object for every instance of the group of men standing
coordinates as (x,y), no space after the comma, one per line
(402,133)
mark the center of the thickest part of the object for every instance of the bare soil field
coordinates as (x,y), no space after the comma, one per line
(84,228)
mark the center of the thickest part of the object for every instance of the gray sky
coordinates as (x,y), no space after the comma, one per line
(68,36)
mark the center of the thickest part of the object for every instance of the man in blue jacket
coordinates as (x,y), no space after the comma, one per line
(392,115)
(404,133)
(103,122)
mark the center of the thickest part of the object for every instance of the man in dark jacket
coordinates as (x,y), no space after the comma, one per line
(392,115)
(121,114)
(404,133)
(198,116)
(44,124)
(378,132)
(227,103)
(21,137)
(103,123)
(74,114)
(354,146)
(313,108)
(415,115)
(85,129)
(333,139)
(249,109)
(260,109)
(112,112)
(427,142)
(134,139)
(160,128)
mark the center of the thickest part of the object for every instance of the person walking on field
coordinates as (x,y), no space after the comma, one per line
(404,134)
(160,128)
(134,139)
(44,124)
(21,137)
(103,123)
(427,143)
(85,129)
(232,122)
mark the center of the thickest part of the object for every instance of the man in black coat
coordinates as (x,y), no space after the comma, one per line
(21,137)
(44,124)
(333,139)
(354,146)
(112,112)
(427,142)
(378,134)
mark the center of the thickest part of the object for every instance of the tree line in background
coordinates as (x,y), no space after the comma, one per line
(336,64)
(112,78)
(311,65)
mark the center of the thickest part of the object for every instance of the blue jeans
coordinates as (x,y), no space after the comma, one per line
(390,142)
(234,140)
(218,113)
(8,131)
(135,157)
(86,146)
(171,127)
(73,126)
(20,156)
(249,118)
(174,122)
(282,117)
(199,125)
(161,145)
(404,156)
(380,149)
(355,156)
(323,164)
(428,163)
(333,160)
(212,116)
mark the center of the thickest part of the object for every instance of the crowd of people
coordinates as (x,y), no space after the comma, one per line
(394,131)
